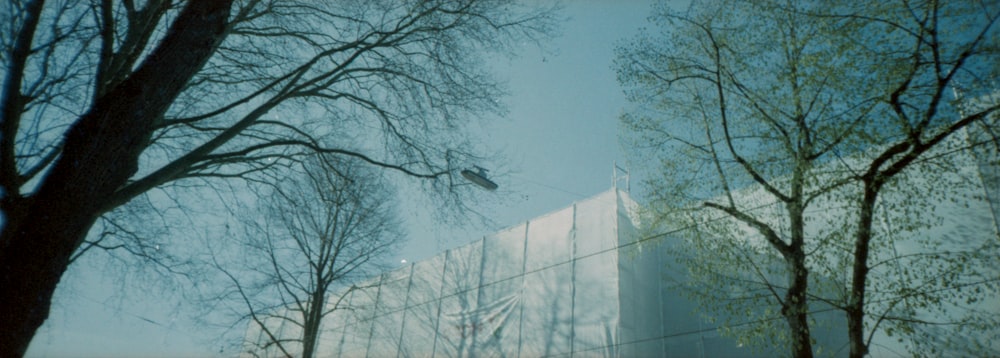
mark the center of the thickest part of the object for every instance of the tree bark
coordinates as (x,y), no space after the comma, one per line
(101,152)
(856,302)
(313,319)
(796,307)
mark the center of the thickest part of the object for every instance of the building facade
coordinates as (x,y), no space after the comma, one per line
(575,282)
(582,281)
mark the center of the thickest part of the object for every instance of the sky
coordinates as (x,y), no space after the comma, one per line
(560,136)
(559,139)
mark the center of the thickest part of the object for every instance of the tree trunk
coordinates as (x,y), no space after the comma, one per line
(313,320)
(856,303)
(101,152)
(796,310)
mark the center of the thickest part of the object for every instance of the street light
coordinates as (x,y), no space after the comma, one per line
(479,178)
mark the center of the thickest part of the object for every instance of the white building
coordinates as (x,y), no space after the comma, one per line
(581,281)
(576,282)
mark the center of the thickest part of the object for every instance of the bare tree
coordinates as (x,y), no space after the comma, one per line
(792,104)
(103,101)
(318,232)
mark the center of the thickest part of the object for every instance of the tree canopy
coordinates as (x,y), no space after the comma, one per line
(324,228)
(104,101)
(803,123)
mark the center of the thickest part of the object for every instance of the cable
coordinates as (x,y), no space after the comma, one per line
(119,309)
(578,195)
(170,328)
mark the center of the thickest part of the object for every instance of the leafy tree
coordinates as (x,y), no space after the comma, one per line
(791,119)
(104,101)
(317,232)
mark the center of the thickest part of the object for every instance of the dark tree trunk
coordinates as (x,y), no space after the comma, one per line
(313,320)
(100,154)
(796,310)
(796,305)
(856,303)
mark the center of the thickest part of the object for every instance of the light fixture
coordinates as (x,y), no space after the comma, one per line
(479,178)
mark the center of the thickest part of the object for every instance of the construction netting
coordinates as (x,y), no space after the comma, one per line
(573,282)
(580,281)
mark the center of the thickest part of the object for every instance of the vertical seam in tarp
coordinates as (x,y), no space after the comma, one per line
(524,268)
(658,252)
(371,331)
(572,304)
(617,242)
(437,319)
(343,330)
(281,326)
(479,298)
(406,308)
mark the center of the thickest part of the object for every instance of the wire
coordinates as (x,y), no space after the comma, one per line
(578,195)
(171,327)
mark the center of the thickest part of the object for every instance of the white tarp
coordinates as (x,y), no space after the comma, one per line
(575,282)
(554,286)
(547,287)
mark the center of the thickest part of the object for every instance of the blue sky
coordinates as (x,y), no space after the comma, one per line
(561,133)
(560,140)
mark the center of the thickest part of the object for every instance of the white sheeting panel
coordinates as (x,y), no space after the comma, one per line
(460,288)
(386,334)
(497,318)
(420,323)
(461,273)
(332,328)
(549,240)
(547,317)
(419,330)
(357,333)
(631,313)
(291,328)
(648,278)
(503,256)
(456,327)
(595,224)
(389,313)
(595,314)
(518,292)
